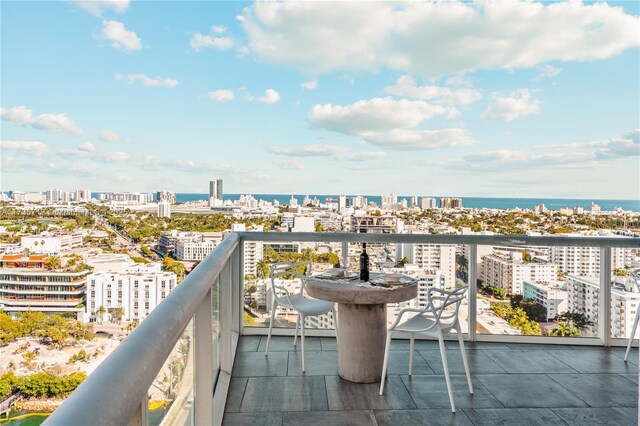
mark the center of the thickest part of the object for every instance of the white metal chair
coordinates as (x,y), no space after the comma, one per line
(304,306)
(437,319)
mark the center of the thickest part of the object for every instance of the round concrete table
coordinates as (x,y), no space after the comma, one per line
(362,322)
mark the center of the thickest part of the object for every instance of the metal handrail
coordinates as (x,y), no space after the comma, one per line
(113,392)
(485,240)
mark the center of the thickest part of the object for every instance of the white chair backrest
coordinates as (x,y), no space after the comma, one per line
(282,270)
(446,304)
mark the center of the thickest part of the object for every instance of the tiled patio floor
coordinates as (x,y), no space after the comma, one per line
(515,384)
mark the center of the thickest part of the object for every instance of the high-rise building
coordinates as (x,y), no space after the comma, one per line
(428,203)
(552,295)
(215,189)
(440,258)
(389,200)
(169,196)
(164,209)
(450,203)
(585,261)
(509,271)
(83,196)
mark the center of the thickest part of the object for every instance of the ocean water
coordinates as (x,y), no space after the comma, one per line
(469,202)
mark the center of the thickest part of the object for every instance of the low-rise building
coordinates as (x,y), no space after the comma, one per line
(137,290)
(552,295)
(51,244)
(28,286)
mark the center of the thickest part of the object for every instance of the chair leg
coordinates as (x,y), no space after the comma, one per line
(273,314)
(411,353)
(633,334)
(464,360)
(387,346)
(302,317)
(335,324)
(295,333)
(445,365)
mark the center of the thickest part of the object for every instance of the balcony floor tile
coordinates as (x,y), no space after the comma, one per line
(438,417)
(528,362)
(285,343)
(285,394)
(345,395)
(512,416)
(593,360)
(479,362)
(254,364)
(252,419)
(431,392)
(600,390)
(351,418)
(598,416)
(317,363)
(529,391)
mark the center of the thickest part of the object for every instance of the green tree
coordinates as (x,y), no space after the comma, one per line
(262,269)
(10,329)
(52,262)
(100,312)
(118,314)
(403,261)
(619,272)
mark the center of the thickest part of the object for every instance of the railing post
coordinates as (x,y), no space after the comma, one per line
(237,284)
(345,254)
(203,360)
(141,416)
(226,317)
(472,277)
(604,298)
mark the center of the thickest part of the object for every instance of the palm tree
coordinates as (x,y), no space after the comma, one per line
(52,262)
(100,312)
(118,313)
(35,243)
(41,245)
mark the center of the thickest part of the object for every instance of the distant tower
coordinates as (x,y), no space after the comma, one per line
(215,192)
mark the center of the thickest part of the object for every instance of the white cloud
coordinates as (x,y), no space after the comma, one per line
(389,122)
(109,136)
(34,148)
(200,42)
(221,95)
(290,165)
(517,104)
(547,71)
(408,140)
(331,151)
(148,81)
(89,151)
(430,39)
(23,116)
(95,7)
(406,86)
(270,97)
(627,145)
(309,85)
(377,114)
(122,38)
(218,29)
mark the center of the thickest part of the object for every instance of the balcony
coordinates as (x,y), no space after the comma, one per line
(197,350)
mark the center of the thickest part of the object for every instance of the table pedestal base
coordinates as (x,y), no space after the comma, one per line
(362,331)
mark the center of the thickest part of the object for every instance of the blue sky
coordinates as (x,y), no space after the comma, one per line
(500,99)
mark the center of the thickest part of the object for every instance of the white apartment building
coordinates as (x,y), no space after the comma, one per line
(193,246)
(552,295)
(47,244)
(389,200)
(585,261)
(127,197)
(253,250)
(583,298)
(509,271)
(83,196)
(432,257)
(169,196)
(303,224)
(164,209)
(427,203)
(27,197)
(450,203)
(137,290)
(426,278)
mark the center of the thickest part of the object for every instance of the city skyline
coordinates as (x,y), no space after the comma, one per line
(142,96)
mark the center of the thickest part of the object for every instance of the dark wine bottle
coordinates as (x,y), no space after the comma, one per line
(364,263)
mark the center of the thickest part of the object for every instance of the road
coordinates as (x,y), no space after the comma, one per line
(133,249)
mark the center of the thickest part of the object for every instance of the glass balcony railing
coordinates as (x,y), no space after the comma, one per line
(175,368)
